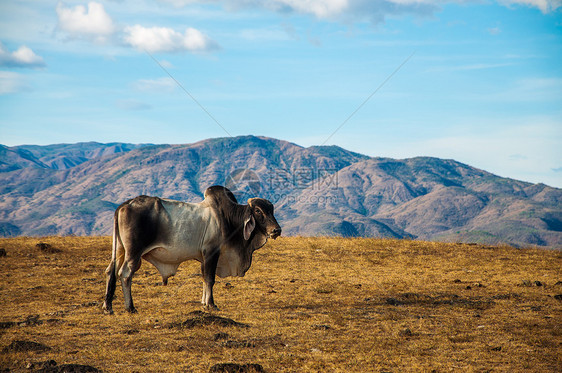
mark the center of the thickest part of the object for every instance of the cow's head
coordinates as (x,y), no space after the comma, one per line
(260,217)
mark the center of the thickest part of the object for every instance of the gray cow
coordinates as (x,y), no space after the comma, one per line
(218,232)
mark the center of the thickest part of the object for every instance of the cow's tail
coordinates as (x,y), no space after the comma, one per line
(111,270)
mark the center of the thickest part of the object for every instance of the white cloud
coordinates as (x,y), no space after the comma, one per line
(529,90)
(544,5)
(155,85)
(166,64)
(11,82)
(358,10)
(475,66)
(22,57)
(319,8)
(347,10)
(165,39)
(92,23)
(180,3)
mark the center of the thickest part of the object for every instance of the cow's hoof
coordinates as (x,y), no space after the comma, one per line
(210,307)
(132,310)
(107,309)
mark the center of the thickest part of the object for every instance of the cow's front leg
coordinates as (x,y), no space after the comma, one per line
(208,270)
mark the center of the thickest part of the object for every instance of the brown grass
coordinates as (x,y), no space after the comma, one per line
(312,305)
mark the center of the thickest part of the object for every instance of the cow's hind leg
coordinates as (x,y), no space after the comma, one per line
(117,256)
(208,270)
(127,271)
(110,289)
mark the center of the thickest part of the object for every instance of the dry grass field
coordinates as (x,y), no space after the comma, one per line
(306,305)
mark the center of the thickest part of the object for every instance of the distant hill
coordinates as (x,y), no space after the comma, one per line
(320,190)
(58,156)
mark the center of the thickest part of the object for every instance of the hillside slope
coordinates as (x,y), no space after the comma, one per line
(429,198)
(326,190)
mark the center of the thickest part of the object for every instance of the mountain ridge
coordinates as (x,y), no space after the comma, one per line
(326,190)
(58,156)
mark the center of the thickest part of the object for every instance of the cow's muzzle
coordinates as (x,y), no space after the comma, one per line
(275,233)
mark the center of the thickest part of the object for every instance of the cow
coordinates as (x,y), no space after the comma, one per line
(218,232)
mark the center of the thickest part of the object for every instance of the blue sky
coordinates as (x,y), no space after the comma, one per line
(482,85)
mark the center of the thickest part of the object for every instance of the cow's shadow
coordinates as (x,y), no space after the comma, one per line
(201,318)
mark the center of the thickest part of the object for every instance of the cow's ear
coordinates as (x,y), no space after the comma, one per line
(249,225)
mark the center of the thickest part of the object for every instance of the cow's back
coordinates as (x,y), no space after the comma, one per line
(192,224)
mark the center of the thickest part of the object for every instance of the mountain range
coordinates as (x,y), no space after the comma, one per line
(66,189)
